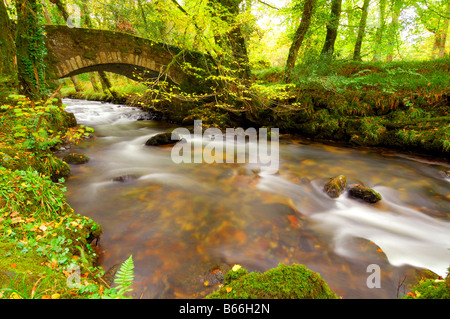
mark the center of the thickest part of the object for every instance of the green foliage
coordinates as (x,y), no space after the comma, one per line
(123,280)
(430,289)
(124,277)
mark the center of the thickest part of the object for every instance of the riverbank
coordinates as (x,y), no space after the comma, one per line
(398,105)
(47,250)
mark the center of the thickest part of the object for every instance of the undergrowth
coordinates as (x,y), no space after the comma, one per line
(43,242)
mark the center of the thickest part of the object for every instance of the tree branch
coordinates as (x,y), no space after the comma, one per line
(267,4)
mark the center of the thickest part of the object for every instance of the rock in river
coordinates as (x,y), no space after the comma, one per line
(365,193)
(125,178)
(162,139)
(76,158)
(335,186)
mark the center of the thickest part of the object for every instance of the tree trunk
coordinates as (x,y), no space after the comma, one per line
(7,46)
(440,37)
(393,29)
(361,31)
(143,15)
(46,14)
(332,28)
(62,9)
(308,9)
(31,50)
(380,31)
(94,82)
(75,83)
(104,78)
(235,37)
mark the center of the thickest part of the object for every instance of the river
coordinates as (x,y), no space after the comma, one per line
(182,222)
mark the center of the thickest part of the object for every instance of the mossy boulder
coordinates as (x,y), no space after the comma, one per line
(76,158)
(69,120)
(365,193)
(428,285)
(335,186)
(162,139)
(282,282)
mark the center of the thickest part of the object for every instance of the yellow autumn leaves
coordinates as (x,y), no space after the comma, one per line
(236,267)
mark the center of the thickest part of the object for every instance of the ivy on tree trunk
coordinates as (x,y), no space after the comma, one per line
(31,50)
(7,47)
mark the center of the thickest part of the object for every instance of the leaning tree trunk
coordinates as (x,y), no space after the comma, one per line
(105,80)
(332,28)
(299,35)
(62,9)
(361,31)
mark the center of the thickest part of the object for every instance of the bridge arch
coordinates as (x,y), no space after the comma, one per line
(73,51)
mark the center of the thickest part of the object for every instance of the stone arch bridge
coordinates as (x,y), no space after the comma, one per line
(72,51)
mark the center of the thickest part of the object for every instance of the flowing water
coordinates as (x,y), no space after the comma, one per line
(182,222)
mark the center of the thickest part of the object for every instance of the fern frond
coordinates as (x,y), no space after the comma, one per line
(125,276)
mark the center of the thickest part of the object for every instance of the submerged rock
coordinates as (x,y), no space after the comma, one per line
(335,186)
(365,193)
(125,178)
(162,139)
(109,275)
(213,277)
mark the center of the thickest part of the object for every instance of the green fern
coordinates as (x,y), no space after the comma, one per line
(124,277)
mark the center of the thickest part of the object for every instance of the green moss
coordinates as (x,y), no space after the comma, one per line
(365,193)
(430,289)
(282,282)
(335,186)
(26,273)
(76,158)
